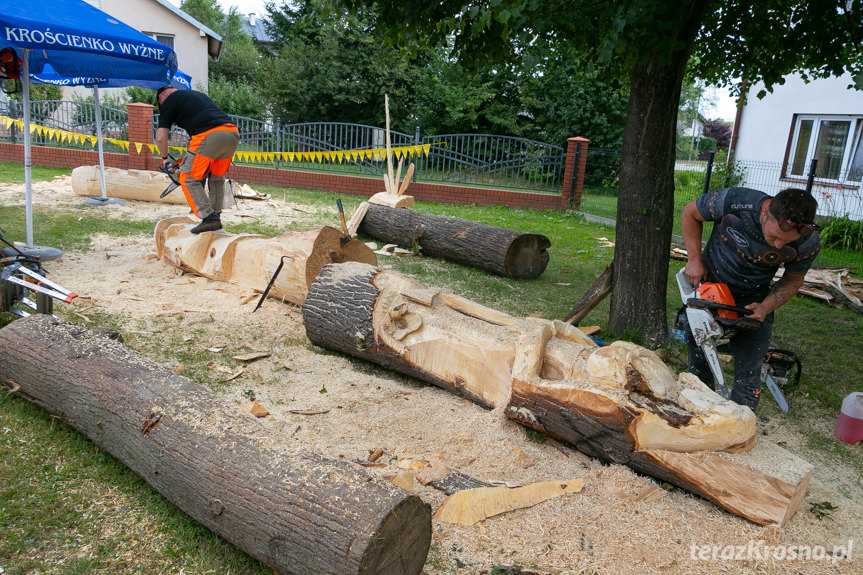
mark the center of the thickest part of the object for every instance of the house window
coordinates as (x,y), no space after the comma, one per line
(166,39)
(835,141)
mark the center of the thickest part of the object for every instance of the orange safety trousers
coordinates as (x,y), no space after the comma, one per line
(207,158)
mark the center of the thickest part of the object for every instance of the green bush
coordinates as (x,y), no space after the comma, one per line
(708,144)
(842,233)
(726,172)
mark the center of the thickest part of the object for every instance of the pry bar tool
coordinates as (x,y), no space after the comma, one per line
(272,281)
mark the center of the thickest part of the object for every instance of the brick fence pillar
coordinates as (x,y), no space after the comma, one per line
(140,132)
(573,172)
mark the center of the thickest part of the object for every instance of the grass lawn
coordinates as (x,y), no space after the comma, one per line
(50,475)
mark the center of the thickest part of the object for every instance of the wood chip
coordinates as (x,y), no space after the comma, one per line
(235,375)
(256,409)
(308,411)
(251,356)
(455,482)
(405,480)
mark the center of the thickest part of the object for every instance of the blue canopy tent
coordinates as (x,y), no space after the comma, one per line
(179,80)
(76,39)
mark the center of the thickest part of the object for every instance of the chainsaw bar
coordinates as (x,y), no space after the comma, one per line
(705,330)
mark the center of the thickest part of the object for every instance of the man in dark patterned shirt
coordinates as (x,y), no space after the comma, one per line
(753,235)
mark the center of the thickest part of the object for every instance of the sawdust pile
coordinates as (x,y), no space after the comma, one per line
(619,523)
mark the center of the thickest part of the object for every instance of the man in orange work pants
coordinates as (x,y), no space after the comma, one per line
(214,139)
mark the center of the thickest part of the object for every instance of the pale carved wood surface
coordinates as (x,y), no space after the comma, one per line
(618,402)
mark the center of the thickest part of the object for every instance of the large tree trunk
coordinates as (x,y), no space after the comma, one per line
(645,208)
(618,402)
(252,260)
(504,252)
(296,511)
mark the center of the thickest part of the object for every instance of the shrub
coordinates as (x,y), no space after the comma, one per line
(842,233)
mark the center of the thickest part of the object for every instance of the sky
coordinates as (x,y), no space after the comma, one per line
(723,107)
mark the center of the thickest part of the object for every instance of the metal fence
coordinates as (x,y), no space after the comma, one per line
(475,159)
(69,116)
(840,201)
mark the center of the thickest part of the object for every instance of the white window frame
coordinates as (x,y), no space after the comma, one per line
(156,35)
(852,143)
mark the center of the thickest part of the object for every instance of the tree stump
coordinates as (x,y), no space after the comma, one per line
(503,252)
(620,402)
(252,260)
(297,511)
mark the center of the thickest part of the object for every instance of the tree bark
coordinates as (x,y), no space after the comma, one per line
(645,208)
(252,260)
(297,511)
(618,402)
(500,251)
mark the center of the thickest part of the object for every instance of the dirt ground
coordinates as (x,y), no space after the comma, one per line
(359,408)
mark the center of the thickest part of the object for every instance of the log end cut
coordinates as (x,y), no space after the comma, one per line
(527,256)
(402,540)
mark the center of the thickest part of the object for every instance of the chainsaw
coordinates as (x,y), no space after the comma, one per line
(170,168)
(714,319)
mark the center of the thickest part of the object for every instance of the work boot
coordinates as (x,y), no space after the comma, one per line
(208,225)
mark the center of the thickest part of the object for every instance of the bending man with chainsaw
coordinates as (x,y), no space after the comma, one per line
(214,140)
(753,235)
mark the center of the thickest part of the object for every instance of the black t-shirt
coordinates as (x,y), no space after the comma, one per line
(192,111)
(737,253)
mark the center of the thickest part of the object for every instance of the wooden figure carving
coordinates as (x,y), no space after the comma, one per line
(620,403)
(251,260)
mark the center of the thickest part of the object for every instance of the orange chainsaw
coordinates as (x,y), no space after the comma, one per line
(713,319)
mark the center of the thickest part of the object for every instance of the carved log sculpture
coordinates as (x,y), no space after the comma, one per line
(251,260)
(143,185)
(620,403)
(501,251)
(297,511)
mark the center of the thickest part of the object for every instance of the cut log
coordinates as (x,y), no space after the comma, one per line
(251,260)
(297,511)
(142,185)
(620,402)
(500,251)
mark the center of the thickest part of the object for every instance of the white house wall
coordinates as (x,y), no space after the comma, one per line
(149,17)
(765,126)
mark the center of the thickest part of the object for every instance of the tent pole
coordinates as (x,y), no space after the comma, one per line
(28,180)
(103,199)
(99,136)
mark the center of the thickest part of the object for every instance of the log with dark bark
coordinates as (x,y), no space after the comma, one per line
(501,251)
(618,402)
(297,511)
